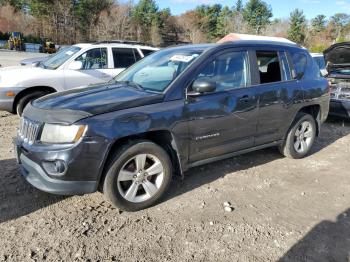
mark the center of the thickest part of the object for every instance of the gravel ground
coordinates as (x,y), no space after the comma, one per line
(292,210)
(12,58)
(282,209)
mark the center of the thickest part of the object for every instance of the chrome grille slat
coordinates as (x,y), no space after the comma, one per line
(28,130)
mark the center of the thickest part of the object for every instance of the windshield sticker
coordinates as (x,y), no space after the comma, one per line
(182,58)
(69,53)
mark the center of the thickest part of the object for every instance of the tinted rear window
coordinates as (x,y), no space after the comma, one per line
(124,57)
(300,61)
(147,52)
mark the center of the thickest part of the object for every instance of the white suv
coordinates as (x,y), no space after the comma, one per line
(74,66)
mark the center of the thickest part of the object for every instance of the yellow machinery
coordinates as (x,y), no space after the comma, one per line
(47,46)
(16,41)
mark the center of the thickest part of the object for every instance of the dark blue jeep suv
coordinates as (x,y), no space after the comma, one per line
(177,108)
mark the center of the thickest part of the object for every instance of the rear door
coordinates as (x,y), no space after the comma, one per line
(223,121)
(277,91)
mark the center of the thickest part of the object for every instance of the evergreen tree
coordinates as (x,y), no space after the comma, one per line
(209,15)
(296,32)
(145,15)
(239,6)
(318,23)
(257,14)
(224,19)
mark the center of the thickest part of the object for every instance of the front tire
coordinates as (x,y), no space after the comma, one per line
(300,138)
(138,176)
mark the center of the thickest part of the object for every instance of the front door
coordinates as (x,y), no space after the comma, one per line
(94,69)
(225,120)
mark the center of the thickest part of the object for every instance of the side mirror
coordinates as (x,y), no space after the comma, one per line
(201,86)
(76,65)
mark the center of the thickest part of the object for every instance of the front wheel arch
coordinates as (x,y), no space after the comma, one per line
(163,138)
(27,91)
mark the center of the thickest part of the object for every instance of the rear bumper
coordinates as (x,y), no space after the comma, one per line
(340,108)
(37,177)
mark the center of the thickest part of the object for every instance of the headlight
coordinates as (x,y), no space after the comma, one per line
(62,134)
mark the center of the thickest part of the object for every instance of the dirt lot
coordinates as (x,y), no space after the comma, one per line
(296,210)
(292,210)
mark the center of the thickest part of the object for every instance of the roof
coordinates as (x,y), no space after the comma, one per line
(232,37)
(238,43)
(193,46)
(85,45)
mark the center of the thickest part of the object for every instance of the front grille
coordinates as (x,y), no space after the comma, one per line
(28,130)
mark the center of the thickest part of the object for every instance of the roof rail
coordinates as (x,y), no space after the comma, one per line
(121,42)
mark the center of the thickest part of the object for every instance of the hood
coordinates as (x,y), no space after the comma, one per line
(96,99)
(337,56)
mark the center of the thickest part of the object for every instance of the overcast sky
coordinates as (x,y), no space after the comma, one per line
(280,8)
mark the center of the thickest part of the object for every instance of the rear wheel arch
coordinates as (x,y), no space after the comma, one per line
(315,112)
(27,91)
(300,136)
(163,138)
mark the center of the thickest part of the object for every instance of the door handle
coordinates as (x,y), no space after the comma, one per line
(244,98)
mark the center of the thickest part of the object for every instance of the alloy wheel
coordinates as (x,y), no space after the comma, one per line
(303,137)
(140,178)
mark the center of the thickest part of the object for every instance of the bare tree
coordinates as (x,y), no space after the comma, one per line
(191,23)
(115,23)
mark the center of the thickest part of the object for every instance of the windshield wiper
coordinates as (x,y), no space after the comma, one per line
(131,83)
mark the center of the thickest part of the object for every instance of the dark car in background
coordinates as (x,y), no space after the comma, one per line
(176,109)
(338,67)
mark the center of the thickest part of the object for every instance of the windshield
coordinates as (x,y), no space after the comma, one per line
(157,71)
(62,56)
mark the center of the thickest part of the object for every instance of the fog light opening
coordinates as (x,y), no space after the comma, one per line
(55,168)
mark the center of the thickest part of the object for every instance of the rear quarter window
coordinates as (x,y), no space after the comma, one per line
(300,62)
(305,66)
(147,52)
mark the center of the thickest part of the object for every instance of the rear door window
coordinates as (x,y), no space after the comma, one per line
(124,57)
(269,66)
(286,72)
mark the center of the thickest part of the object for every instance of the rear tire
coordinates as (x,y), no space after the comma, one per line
(138,176)
(300,138)
(21,104)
